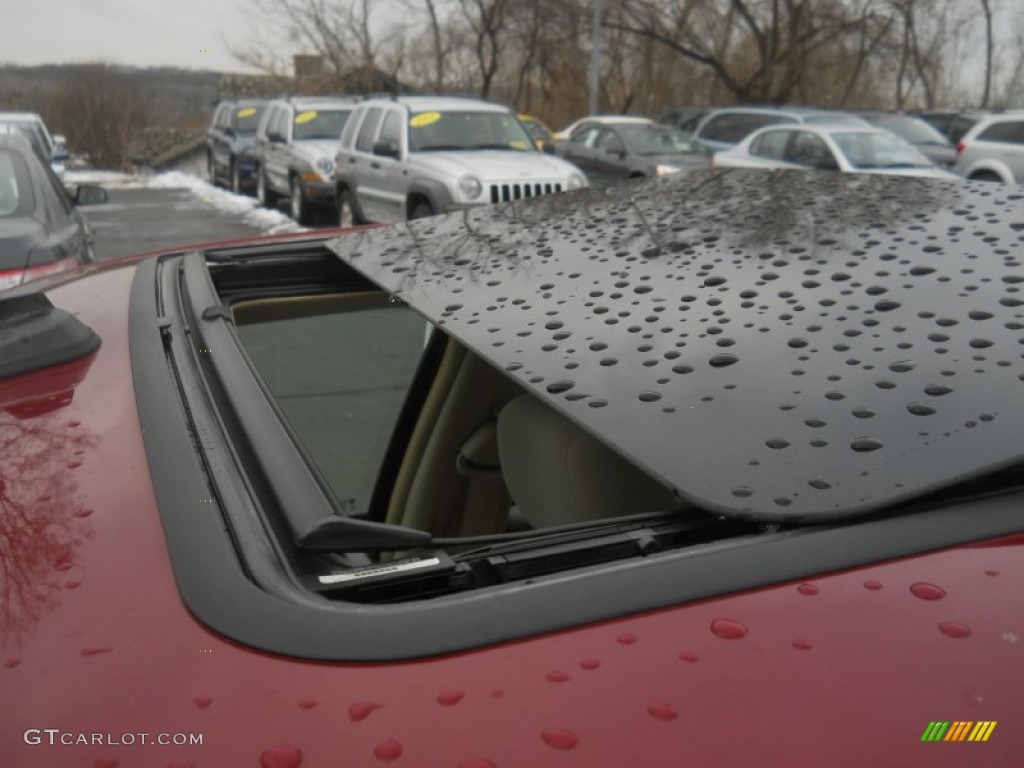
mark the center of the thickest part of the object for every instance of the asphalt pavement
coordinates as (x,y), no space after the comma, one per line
(136,220)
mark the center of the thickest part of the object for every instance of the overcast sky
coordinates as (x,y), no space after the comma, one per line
(180,33)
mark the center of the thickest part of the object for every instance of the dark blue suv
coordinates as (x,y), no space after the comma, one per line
(230,154)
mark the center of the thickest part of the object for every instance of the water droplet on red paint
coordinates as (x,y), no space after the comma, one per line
(927,591)
(952,629)
(74,464)
(361,710)
(105,762)
(872,585)
(728,629)
(807,589)
(83,513)
(557,676)
(497,693)
(991,572)
(626,638)
(181,765)
(74,423)
(281,756)
(12,662)
(202,701)
(94,651)
(478,762)
(802,645)
(662,711)
(689,657)
(590,664)
(64,566)
(559,738)
(388,750)
(448,698)
(307,703)
(72,584)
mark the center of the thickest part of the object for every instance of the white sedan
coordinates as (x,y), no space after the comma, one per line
(829,147)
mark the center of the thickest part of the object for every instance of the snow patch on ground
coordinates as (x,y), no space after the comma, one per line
(245,208)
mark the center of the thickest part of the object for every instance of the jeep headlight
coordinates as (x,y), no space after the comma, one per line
(470,187)
(576,181)
(325,167)
(664,170)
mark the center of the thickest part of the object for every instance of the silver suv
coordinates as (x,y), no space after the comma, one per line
(295,144)
(410,157)
(993,150)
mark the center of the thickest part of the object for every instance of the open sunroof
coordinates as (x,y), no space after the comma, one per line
(772,345)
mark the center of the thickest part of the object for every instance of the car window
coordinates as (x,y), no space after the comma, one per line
(350,129)
(651,140)
(279,123)
(319,123)
(364,142)
(810,151)
(446,131)
(16,196)
(391,130)
(1009,132)
(246,119)
(771,145)
(342,402)
(878,150)
(734,127)
(609,141)
(587,136)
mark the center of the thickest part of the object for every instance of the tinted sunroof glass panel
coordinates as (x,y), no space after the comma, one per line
(778,346)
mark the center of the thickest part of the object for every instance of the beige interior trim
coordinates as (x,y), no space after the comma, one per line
(293,307)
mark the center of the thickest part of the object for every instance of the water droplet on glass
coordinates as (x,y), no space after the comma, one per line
(953,629)
(777,443)
(937,390)
(558,387)
(650,397)
(722,360)
(820,484)
(559,738)
(920,409)
(886,305)
(865,444)
(728,629)
(927,591)
(742,492)
(863,413)
(903,366)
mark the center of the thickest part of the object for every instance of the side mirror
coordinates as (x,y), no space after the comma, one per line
(386,149)
(87,194)
(548,148)
(275,138)
(229,131)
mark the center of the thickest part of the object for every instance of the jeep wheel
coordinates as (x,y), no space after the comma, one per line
(984,176)
(236,179)
(298,206)
(421,210)
(211,171)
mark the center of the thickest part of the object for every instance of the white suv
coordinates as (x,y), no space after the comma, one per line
(410,157)
(993,150)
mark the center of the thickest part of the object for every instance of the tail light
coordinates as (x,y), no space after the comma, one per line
(960,147)
(15,277)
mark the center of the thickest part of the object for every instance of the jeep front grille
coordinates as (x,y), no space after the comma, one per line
(502,193)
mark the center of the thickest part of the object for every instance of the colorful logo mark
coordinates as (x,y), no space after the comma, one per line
(960,730)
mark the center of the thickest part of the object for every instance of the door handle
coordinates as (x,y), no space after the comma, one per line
(375,166)
(351,161)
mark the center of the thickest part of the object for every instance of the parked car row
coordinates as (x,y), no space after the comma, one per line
(385,159)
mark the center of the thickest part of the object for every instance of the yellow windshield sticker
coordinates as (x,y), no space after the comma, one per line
(424,118)
(304,117)
(247,112)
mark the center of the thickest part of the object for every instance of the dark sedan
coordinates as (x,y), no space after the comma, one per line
(230,144)
(611,153)
(41,232)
